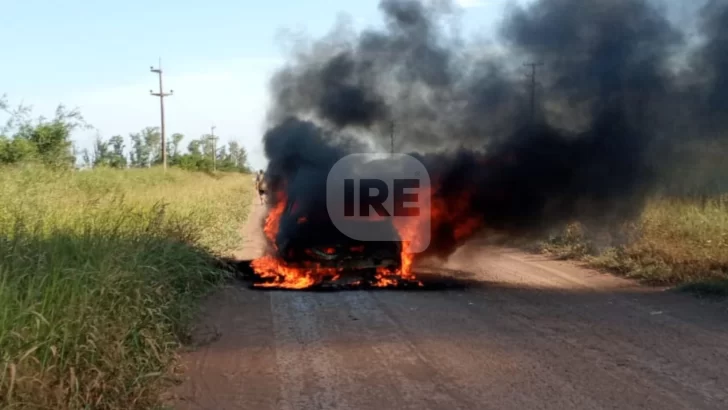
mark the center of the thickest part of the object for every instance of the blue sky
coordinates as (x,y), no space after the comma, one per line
(217,56)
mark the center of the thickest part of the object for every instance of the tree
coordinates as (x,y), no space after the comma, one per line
(117,157)
(16,150)
(153,141)
(229,158)
(145,148)
(47,141)
(173,144)
(206,144)
(194,147)
(238,155)
(139,156)
(101,157)
(109,153)
(221,154)
(17,116)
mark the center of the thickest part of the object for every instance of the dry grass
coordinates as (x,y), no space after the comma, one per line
(99,272)
(676,242)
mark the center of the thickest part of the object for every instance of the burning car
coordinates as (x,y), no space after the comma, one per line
(311,243)
(308,247)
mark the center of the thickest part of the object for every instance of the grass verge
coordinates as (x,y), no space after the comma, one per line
(99,274)
(682,243)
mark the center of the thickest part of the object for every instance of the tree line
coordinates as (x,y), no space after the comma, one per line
(146,151)
(48,141)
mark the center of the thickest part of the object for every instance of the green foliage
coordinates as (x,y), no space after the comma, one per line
(173,144)
(146,152)
(14,150)
(230,158)
(146,149)
(42,140)
(109,153)
(99,274)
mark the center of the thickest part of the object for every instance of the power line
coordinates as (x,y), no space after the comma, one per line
(161,94)
(533,88)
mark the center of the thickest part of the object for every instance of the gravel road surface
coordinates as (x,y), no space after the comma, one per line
(495,329)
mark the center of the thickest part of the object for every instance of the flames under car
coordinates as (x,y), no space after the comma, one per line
(310,239)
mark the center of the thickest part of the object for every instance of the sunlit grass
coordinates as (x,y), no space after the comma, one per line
(676,242)
(99,272)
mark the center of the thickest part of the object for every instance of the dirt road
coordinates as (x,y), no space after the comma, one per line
(514,331)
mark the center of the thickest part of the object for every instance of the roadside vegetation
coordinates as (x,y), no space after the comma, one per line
(101,268)
(99,274)
(680,239)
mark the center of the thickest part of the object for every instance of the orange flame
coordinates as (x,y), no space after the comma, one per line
(273,269)
(279,275)
(452,212)
(273,220)
(269,267)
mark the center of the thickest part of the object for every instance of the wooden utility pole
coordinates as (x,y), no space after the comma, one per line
(533,89)
(213,138)
(161,94)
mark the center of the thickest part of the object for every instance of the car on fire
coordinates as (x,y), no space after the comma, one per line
(308,238)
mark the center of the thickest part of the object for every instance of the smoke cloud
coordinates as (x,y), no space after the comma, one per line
(611,105)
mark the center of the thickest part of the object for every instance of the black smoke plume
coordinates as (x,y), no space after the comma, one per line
(611,105)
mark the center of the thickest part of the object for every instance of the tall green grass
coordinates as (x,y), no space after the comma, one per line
(680,242)
(99,274)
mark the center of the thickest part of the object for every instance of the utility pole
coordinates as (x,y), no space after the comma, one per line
(213,138)
(533,89)
(161,94)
